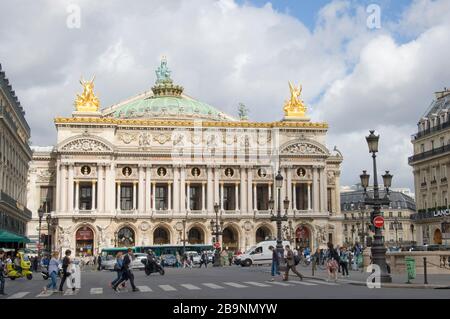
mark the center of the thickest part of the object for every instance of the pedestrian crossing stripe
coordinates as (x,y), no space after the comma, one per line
(324,282)
(96,291)
(44,294)
(18,295)
(190,287)
(70,292)
(280,283)
(167,288)
(144,288)
(305,283)
(212,286)
(257,284)
(233,284)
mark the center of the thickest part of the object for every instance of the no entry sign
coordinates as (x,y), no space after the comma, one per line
(378,221)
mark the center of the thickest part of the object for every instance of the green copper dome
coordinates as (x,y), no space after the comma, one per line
(165,101)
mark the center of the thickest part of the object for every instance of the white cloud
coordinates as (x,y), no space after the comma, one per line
(224,53)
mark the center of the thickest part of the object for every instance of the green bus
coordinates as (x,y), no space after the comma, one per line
(168,249)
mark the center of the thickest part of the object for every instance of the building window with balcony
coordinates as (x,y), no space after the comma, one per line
(422,148)
(126,197)
(229,200)
(262,195)
(400,214)
(432,145)
(85,197)
(195,201)
(391,214)
(161,197)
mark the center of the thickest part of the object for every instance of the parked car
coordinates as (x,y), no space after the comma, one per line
(168,260)
(210,256)
(109,262)
(137,261)
(259,254)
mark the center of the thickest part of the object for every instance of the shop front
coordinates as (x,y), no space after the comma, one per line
(84,241)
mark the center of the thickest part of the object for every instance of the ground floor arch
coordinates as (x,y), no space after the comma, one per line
(196,235)
(263,233)
(303,237)
(230,238)
(437,237)
(84,241)
(161,236)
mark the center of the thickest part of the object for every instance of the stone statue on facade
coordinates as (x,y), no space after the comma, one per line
(243,112)
(163,72)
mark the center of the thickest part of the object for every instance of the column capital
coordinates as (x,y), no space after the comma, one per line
(94,182)
(77,182)
(237,183)
(118,182)
(135,183)
(169,182)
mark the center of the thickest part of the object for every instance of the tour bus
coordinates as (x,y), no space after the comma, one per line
(168,249)
(259,254)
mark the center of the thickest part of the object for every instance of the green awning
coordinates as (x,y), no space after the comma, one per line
(8,237)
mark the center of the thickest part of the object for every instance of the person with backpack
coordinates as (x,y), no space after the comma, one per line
(65,265)
(290,264)
(332,262)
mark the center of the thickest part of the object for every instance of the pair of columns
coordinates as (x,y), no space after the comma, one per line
(236,195)
(308,196)
(188,199)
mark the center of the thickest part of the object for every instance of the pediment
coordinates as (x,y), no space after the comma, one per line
(85,144)
(304,148)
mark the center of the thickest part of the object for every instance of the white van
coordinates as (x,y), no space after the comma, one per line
(260,253)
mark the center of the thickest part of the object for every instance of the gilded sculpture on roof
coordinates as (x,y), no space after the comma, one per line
(294,107)
(87,101)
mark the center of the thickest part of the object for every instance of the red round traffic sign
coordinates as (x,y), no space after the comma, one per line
(378,221)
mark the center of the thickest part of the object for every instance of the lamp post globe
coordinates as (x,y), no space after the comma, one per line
(372,141)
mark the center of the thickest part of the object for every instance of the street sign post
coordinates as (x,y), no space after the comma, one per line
(378,222)
(410,264)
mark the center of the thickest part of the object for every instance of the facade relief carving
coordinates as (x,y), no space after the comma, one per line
(86,145)
(145,139)
(162,138)
(303,149)
(127,138)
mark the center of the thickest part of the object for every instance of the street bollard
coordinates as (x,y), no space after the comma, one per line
(425,279)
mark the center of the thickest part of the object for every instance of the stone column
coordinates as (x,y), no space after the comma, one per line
(269,186)
(176,188)
(289,188)
(93,196)
(294,197)
(118,196)
(255,196)
(134,195)
(243,191)
(101,188)
(236,195)
(169,189)
(154,197)
(221,196)
(203,197)
(315,194)
(110,194)
(249,190)
(337,190)
(216,185)
(141,188)
(58,185)
(64,188)
(148,191)
(77,195)
(70,189)
(210,186)
(323,190)
(188,199)
(309,196)
(183,190)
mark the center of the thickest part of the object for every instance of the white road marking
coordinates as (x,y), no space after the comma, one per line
(305,283)
(167,288)
(213,286)
(257,284)
(190,287)
(96,291)
(45,294)
(144,288)
(233,284)
(323,282)
(280,283)
(19,295)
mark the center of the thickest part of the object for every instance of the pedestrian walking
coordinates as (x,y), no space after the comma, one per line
(224,256)
(74,281)
(127,274)
(275,263)
(178,258)
(343,260)
(204,259)
(315,259)
(2,270)
(290,264)
(230,257)
(332,262)
(53,269)
(65,267)
(99,262)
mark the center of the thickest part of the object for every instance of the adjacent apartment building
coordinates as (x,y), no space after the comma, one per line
(430,164)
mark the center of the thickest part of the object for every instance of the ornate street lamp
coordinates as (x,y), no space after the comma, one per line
(396,224)
(279,219)
(184,236)
(40,214)
(378,249)
(216,234)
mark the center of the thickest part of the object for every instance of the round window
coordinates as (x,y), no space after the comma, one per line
(301,172)
(85,170)
(126,171)
(161,171)
(195,172)
(229,172)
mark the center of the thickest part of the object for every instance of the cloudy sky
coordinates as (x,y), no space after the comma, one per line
(355,76)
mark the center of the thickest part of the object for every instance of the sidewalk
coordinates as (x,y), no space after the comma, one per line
(359,278)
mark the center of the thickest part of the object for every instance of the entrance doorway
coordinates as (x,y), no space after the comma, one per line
(84,241)
(302,237)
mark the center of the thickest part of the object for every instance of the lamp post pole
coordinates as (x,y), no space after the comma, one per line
(278,218)
(40,214)
(184,236)
(378,249)
(216,234)
(412,233)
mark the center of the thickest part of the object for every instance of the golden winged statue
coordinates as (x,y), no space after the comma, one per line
(294,107)
(87,101)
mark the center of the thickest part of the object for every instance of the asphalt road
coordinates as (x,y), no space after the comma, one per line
(213,283)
